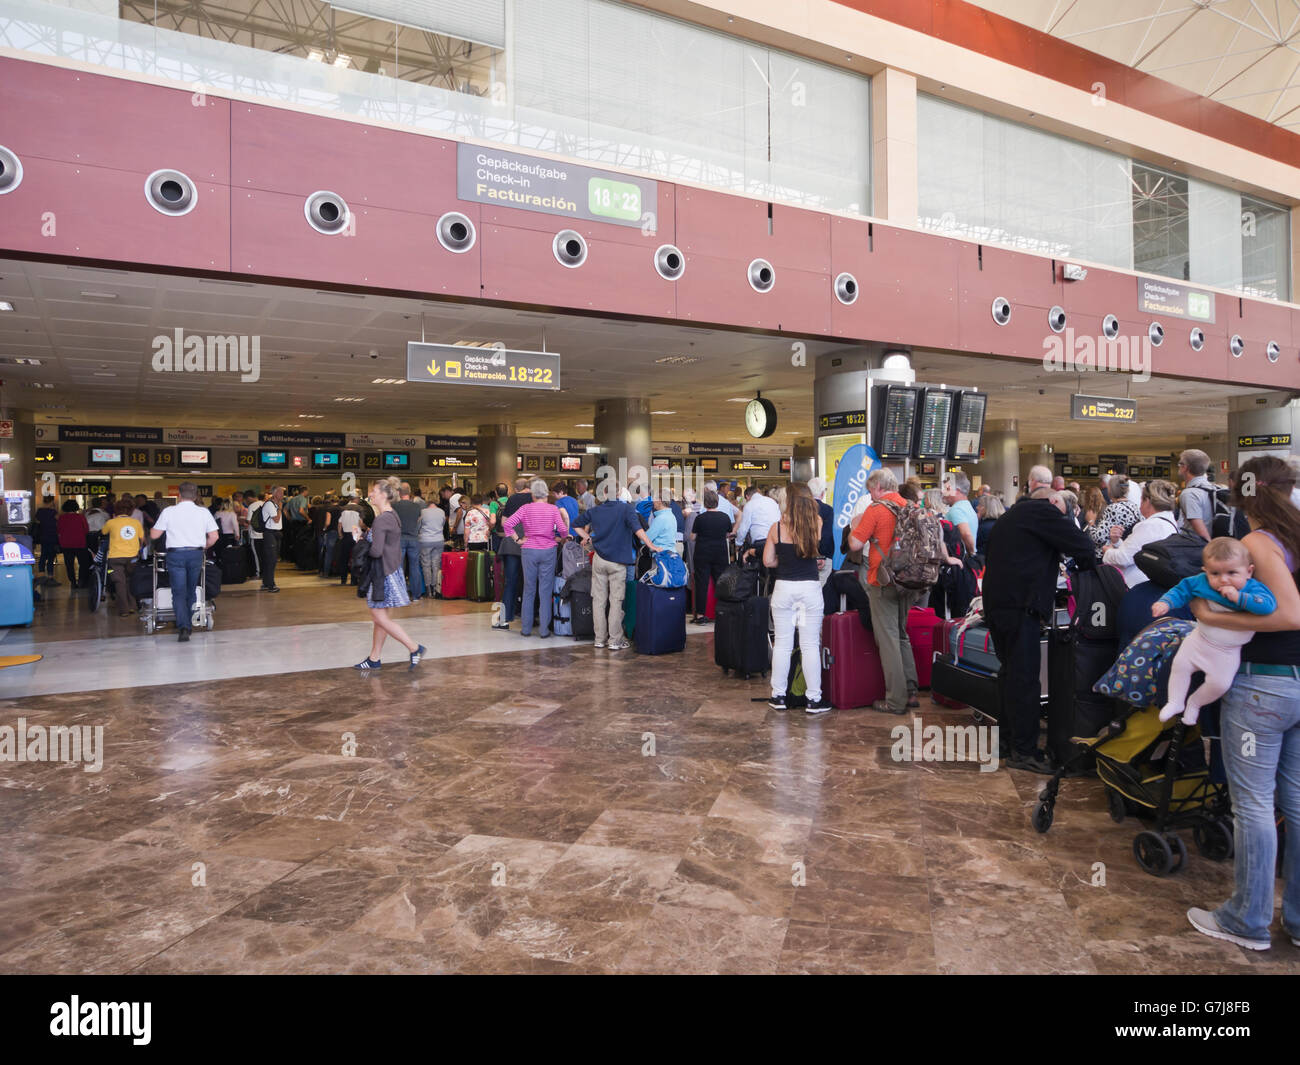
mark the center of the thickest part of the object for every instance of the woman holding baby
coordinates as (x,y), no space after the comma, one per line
(1260,723)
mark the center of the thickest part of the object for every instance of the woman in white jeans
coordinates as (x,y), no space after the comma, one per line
(790,554)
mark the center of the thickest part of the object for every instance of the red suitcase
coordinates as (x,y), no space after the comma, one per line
(851,671)
(711,603)
(920,634)
(454,567)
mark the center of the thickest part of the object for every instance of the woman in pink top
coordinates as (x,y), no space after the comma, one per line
(543,524)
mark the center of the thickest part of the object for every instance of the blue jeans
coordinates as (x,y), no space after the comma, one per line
(539,580)
(1265,712)
(184,569)
(411,556)
(514,575)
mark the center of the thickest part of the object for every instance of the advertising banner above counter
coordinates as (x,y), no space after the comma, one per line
(547,186)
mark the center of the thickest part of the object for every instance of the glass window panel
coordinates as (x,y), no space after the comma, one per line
(1266,249)
(1161,239)
(1214,234)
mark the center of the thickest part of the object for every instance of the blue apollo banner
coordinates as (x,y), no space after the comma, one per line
(850,485)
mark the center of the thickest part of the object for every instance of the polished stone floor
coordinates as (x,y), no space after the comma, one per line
(542,808)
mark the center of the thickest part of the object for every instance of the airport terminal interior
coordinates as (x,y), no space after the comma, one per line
(246,247)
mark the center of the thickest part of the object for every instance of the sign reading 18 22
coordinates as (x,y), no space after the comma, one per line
(507,179)
(1102,409)
(456,364)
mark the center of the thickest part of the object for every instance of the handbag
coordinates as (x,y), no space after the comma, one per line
(1168,561)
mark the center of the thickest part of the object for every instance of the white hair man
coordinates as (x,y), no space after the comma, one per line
(1039,477)
(889,603)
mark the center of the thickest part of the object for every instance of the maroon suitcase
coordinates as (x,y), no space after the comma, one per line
(920,634)
(851,671)
(498,578)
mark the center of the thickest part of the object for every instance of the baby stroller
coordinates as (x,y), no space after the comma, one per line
(1157,772)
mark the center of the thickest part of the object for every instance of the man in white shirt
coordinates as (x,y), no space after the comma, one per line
(190,530)
(272,524)
(349,533)
(760,514)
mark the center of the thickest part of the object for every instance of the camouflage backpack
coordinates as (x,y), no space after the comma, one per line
(913,558)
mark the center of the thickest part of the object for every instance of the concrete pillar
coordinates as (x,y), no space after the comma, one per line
(497,449)
(803,462)
(1269,415)
(893,147)
(1037,455)
(622,430)
(1001,461)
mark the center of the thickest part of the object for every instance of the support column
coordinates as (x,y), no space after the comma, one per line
(20,469)
(1001,461)
(495,456)
(893,147)
(1277,416)
(622,430)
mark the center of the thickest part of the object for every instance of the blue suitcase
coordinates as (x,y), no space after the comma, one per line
(17,606)
(561,614)
(660,620)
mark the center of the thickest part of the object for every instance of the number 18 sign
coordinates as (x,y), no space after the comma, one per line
(496,367)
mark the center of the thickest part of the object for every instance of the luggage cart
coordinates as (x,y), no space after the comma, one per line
(160,610)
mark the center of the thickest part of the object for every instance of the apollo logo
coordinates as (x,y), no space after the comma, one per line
(208,354)
(102,1018)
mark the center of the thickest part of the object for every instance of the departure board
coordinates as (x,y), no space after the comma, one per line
(968,431)
(897,421)
(935,424)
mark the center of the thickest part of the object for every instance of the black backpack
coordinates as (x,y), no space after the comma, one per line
(1168,561)
(1220,523)
(1097,594)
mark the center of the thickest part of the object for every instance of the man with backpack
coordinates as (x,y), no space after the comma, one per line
(1199,502)
(268,520)
(906,549)
(1021,570)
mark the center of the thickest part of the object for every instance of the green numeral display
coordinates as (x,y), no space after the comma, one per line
(613,199)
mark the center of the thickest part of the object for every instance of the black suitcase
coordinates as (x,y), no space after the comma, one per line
(980,691)
(1074,665)
(740,636)
(582,616)
(305,556)
(234,564)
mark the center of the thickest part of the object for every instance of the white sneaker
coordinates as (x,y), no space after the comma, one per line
(599,643)
(1206,923)
(619,646)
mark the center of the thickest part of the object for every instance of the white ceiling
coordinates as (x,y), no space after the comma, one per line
(1243,53)
(320,345)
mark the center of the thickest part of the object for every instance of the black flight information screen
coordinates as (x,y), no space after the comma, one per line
(935,423)
(968,433)
(897,421)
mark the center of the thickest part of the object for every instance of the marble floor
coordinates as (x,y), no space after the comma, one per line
(519,806)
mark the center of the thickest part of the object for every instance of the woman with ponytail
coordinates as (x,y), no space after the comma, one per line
(791,554)
(1260,724)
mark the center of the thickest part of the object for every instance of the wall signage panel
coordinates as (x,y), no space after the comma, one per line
(447,443)
(295,439)
(1103,409)
(546,186)
(845,419)
(1265,440)
(1165,297)
(451,364)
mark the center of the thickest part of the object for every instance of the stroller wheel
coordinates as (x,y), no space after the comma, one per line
(1153,853)
(1213,840)
(1043,814)
(1118,811)
(1179,851)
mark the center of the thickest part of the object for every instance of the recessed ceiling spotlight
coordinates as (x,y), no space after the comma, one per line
(100,295)
(584,425)
(5,305)
(663,412)
(541,432)
(103,373)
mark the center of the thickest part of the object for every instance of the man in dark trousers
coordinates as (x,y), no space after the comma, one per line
(1024,558)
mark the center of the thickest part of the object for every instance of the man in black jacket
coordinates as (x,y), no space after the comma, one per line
(1024,558)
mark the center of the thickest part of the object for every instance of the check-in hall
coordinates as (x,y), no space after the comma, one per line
(580,386)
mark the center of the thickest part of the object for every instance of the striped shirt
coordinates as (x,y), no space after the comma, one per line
(542,522)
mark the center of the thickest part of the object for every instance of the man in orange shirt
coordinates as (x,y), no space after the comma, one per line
(889,604)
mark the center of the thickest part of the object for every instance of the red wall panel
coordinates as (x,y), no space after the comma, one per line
(391,249)
(51,113)
(519,266)
(98,213)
